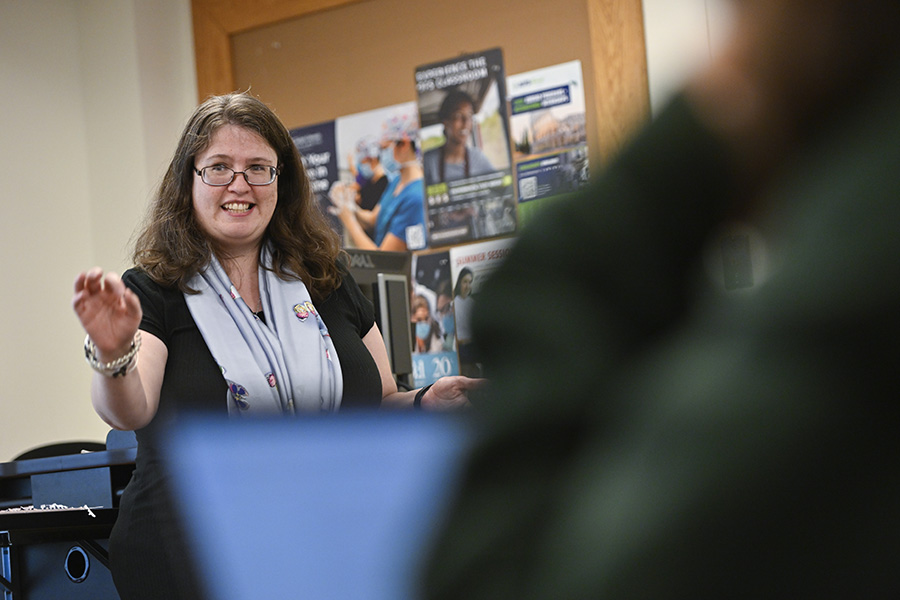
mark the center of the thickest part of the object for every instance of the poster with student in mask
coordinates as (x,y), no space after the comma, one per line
(432,317)
(464,134)
(316,144)
(547,119)
(379,196)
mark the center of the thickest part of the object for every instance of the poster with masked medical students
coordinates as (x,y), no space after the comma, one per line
(379,165)
(433,322)
(464,137)
(470,266)
(316,144)
(547,119)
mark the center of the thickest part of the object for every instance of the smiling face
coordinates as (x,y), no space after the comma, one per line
(235,216)
(458,125)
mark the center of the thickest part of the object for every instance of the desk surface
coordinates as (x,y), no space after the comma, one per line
(33,526)
(67,462)
(93,479)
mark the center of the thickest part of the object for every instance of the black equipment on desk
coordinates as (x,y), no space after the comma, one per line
(384,278)
(55,554)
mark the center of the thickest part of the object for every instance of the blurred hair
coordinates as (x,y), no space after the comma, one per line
(172,248)
(420,302)
(462,273)
(453,100)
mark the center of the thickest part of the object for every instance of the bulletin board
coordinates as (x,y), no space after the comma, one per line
(317,60)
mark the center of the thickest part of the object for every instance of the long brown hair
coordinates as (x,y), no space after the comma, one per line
(172,248)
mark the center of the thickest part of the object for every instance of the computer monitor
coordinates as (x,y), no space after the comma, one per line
(384,278)
(339,507)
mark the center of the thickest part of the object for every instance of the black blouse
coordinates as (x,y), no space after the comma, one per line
(148,558)
(193,381)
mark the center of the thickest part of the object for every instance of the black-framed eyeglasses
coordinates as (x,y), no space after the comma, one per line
(219,175)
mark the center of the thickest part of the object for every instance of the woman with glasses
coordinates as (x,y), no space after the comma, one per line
(237,305)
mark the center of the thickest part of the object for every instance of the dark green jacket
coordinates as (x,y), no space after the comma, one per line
(649,435)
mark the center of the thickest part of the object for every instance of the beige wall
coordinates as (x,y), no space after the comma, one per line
(681,35)
(95,95)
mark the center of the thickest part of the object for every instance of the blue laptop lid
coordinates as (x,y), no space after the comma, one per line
(333,507)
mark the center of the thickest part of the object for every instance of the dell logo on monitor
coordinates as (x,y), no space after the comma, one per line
(361,261)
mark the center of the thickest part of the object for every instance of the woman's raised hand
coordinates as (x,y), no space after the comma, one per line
(109,312)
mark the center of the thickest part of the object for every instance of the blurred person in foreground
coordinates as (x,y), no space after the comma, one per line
(238,304)
(649,434)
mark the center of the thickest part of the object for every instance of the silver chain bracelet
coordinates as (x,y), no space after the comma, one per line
(117,368)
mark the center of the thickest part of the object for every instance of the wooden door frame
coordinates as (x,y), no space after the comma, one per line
(616,30)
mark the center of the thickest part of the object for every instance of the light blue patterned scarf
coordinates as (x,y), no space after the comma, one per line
(285,365)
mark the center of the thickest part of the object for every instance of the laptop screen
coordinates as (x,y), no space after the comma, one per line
(319,507)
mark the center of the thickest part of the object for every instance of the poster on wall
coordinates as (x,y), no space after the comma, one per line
(433,322)
(470,266)
(547,121)
(466,155)
(316,144)
(369,178)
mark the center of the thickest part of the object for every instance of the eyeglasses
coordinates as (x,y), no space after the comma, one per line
(222,175)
